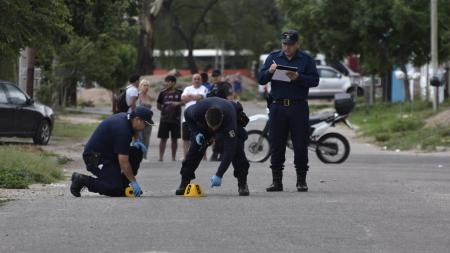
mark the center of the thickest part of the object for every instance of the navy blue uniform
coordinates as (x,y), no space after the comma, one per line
(231,132)
(289,113)
(112,137)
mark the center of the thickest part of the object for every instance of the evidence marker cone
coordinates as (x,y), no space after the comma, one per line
(129,192)
(193,190)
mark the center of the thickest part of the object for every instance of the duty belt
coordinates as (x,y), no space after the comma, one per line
(288,102)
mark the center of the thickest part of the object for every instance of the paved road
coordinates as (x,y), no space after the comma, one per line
(377,201)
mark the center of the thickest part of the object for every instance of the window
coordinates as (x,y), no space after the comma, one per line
(16,96)
(3,99)
(327,73)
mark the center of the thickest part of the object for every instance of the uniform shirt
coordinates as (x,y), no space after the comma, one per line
(131,92)
(195,118)
(169,112)
(112,137)
(297,89)
(221,90)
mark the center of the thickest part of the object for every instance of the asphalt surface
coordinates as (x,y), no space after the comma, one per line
(377,201)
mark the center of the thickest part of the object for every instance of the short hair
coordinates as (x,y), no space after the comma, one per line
(204,77)
(214,116)
(170,78)
(134,78)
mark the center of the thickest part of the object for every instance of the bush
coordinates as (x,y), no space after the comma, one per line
(20,167)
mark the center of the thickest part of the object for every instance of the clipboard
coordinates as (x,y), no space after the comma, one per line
(280,73)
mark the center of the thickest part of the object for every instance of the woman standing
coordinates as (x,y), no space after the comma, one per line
(145,100)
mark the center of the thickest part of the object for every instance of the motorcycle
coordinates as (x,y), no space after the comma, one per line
(330,147)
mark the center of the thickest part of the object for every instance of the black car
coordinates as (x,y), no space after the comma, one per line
(20,116)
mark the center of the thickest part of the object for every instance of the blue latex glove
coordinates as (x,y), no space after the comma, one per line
(136,189)
(216,181)
(200,139)
(140,145)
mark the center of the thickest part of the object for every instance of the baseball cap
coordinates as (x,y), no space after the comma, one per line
(216,72)
(143,113)
(289,37)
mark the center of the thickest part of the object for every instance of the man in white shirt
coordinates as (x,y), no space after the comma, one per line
(132,92)
(191,94)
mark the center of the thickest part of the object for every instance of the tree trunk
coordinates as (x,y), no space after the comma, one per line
(190,59)
(406,83)
(146,44)
(30,71)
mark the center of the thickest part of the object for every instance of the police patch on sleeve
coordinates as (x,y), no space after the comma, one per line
(232,134)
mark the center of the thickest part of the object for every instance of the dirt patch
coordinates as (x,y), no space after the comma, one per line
(442,118)
(96,96)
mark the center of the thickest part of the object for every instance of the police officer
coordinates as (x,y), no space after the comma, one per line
(110,157)
(289,111)
(209,118)
(222,90)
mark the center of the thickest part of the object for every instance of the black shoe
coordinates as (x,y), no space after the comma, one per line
(77,184)
(302,186)
(243,190)
(182,187)
(277,185)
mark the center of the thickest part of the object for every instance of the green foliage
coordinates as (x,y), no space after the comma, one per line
(31,23)
(21,166)
(384,33)
(400,126)
(74,131)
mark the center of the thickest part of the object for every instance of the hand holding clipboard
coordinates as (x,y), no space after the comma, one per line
(283,73)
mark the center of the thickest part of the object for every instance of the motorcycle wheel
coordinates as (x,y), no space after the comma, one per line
(257,146)
(332,148)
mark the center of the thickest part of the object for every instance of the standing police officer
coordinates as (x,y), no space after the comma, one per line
(289,111)
(210,118)
(110,157)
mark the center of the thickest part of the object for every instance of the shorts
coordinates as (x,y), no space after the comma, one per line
(186,132)
(173,128)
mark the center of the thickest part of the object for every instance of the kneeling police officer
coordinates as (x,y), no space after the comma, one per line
(209,118)
(110,157)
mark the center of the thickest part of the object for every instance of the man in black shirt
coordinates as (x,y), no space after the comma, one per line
(209,118)
(169,103)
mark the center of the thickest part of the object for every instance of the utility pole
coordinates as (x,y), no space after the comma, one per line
(434,50)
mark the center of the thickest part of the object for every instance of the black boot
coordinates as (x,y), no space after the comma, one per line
(182,187)
(78,182)
(277,185)
(301,182)
(243,187)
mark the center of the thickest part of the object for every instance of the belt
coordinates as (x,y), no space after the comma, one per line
(288,102)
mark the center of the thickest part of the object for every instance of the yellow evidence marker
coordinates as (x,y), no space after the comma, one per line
(193,190)
(129,192)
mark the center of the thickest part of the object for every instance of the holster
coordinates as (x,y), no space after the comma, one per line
(93,159)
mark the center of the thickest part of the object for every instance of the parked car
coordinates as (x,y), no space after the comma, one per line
(20,116)
(331,82)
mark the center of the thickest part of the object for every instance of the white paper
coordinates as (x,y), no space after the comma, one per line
(280,75)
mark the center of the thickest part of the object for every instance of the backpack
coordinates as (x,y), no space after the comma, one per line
(122,105)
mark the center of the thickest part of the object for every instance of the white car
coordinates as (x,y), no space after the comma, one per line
(331,82)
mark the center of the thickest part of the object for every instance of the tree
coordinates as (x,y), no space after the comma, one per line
(149,10)
(28,23)
(385,33)
(186,19)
